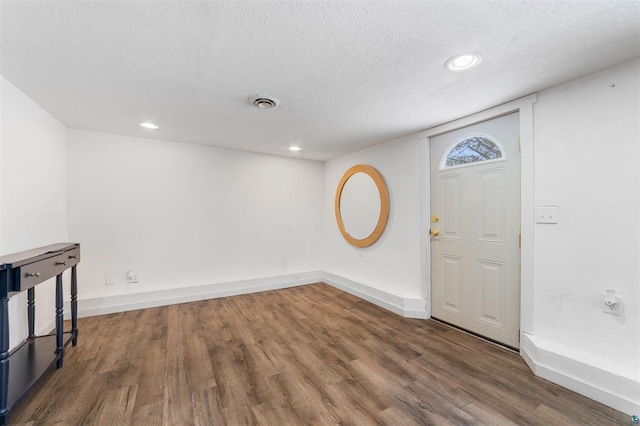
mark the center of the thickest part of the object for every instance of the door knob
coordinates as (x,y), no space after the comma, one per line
(433,232)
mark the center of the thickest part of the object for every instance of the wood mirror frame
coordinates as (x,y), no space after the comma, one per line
(384,205)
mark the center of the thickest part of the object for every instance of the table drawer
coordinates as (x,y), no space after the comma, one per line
(72,256)
(37,272)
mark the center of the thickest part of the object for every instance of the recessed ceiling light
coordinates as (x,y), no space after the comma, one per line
(294,148)
(148,125)
(264,102)
(464,62)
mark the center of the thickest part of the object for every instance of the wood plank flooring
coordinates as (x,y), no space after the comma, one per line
(304,355)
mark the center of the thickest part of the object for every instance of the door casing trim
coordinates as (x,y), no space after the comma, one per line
(523,106)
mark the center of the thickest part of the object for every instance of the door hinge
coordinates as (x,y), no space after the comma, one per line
(520,240)
(519,145)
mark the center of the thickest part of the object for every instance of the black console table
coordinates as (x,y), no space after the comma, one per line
(24,365)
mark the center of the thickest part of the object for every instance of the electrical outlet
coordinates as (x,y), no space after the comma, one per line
(132,276)
(612,303)
(108,279)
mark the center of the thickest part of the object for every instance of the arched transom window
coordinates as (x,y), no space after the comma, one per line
(472,149)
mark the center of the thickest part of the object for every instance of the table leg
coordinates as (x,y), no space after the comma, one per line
(4,356)
(59,322)
(74,305)
(31,311)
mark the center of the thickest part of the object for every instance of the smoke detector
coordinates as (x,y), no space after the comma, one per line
(264,102)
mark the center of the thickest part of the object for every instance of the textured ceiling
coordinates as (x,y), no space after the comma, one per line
(349,74)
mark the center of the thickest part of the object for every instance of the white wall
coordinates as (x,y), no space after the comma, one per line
(33,195)
(185,215)
(391,267)
(587,135)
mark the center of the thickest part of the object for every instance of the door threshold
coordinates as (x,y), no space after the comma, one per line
(479,336)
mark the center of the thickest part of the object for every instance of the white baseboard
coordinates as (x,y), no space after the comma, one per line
(102,305)
(49,327)
(610,383)
(409,307)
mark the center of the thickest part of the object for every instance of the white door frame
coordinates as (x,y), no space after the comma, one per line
(524,106)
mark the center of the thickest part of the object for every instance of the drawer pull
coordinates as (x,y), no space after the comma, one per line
(32,274)
(61,263)
(73,256)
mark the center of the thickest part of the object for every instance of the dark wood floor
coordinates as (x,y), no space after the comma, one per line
(305,355)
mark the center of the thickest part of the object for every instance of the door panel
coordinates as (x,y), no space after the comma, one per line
(490,292)
(451,207)
(475,258)
(491,205)
(452,268)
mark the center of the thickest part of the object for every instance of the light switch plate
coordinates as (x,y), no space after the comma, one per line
(547,214)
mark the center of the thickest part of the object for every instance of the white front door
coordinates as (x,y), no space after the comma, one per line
(475,225)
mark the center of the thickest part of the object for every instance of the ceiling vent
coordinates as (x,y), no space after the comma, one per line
(264,102)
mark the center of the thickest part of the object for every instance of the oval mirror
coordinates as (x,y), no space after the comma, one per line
(362,205)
